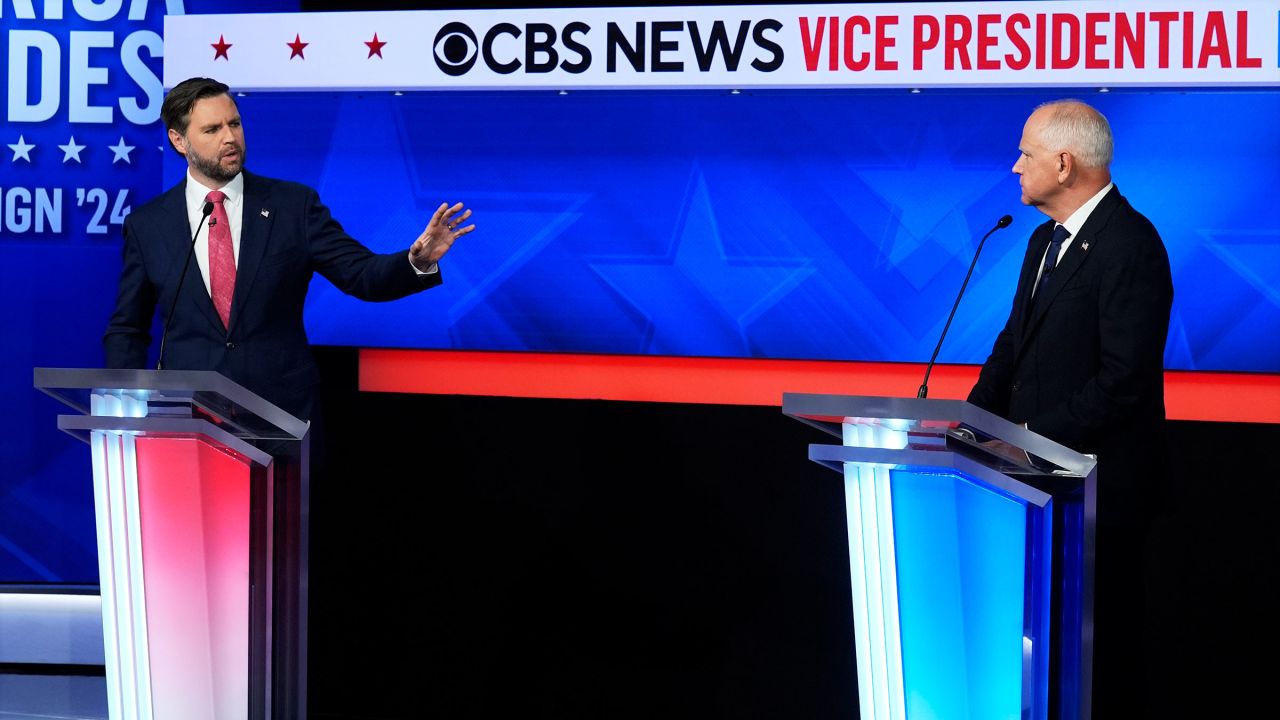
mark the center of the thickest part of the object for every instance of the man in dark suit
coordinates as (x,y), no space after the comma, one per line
(1080,361)
(239,309)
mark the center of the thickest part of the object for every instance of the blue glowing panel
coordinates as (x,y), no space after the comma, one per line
(961,583)
(779,224)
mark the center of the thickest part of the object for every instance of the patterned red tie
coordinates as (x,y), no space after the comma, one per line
(222,259)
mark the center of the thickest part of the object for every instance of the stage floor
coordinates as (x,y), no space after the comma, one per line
(53,697)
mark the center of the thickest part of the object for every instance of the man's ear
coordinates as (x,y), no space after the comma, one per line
(176,140)
(1066,164)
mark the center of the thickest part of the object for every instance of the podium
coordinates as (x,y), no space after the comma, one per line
(971,554)
(200,502)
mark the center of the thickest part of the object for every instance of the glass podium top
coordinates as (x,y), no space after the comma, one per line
(942,424)
(201,394)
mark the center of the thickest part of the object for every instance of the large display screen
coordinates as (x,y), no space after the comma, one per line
(815,224)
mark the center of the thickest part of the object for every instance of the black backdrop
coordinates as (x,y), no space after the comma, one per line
(477,557)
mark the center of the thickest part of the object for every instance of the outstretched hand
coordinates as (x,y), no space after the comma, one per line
(439,235)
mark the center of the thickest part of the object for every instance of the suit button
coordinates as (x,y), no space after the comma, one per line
(231,346)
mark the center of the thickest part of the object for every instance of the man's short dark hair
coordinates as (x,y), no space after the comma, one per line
(176,109)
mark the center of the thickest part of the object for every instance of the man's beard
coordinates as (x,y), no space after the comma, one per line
(213,169)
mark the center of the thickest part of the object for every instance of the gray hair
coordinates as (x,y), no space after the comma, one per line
(1080,129)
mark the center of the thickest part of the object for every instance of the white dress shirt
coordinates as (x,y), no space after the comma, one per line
(1073,225)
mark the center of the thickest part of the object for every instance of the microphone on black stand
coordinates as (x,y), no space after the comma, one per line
(1003,222)
(204,215)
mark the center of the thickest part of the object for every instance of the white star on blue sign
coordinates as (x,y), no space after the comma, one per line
(71,150)
(121,152)
(22,149)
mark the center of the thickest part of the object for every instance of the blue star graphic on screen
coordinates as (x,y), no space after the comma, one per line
(928,195)
(697,299)
(1239,305)
(490,290)
(530,231)
(1253,259)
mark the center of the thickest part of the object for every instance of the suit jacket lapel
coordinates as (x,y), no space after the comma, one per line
(178,230)
(1037,247)
(255,227)
(1086,239)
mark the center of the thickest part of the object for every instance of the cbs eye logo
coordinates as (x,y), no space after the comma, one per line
(455,48)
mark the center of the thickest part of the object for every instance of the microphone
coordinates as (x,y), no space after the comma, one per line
(205,212)
(1003,222)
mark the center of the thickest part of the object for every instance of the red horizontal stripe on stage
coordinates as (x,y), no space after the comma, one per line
(728,381)
(1222,397)
(1226,397)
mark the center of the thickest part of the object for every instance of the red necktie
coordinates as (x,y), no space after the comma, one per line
(222,258)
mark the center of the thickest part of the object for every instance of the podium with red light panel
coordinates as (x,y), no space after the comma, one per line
(971,547)
(200,501)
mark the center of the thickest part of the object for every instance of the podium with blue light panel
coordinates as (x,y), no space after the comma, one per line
(971,548)
(200,502)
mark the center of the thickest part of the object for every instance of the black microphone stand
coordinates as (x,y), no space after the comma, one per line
(1003,222)
(204,215)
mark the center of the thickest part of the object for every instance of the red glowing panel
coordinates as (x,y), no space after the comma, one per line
(193,502)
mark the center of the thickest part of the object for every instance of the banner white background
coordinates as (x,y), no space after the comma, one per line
(1095,44)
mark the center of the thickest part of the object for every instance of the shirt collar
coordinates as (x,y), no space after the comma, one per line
(197,192)
(1082,213)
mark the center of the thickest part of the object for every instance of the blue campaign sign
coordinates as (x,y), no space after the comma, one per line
(81,145)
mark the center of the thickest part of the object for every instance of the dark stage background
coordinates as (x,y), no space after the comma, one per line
(481,557)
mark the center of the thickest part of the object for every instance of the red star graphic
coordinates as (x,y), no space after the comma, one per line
(296,46)
(375,46)
(220,48)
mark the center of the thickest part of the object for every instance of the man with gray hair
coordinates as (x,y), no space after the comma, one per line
(1081,362)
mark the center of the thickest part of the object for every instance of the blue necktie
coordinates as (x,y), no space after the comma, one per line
(1060,234)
